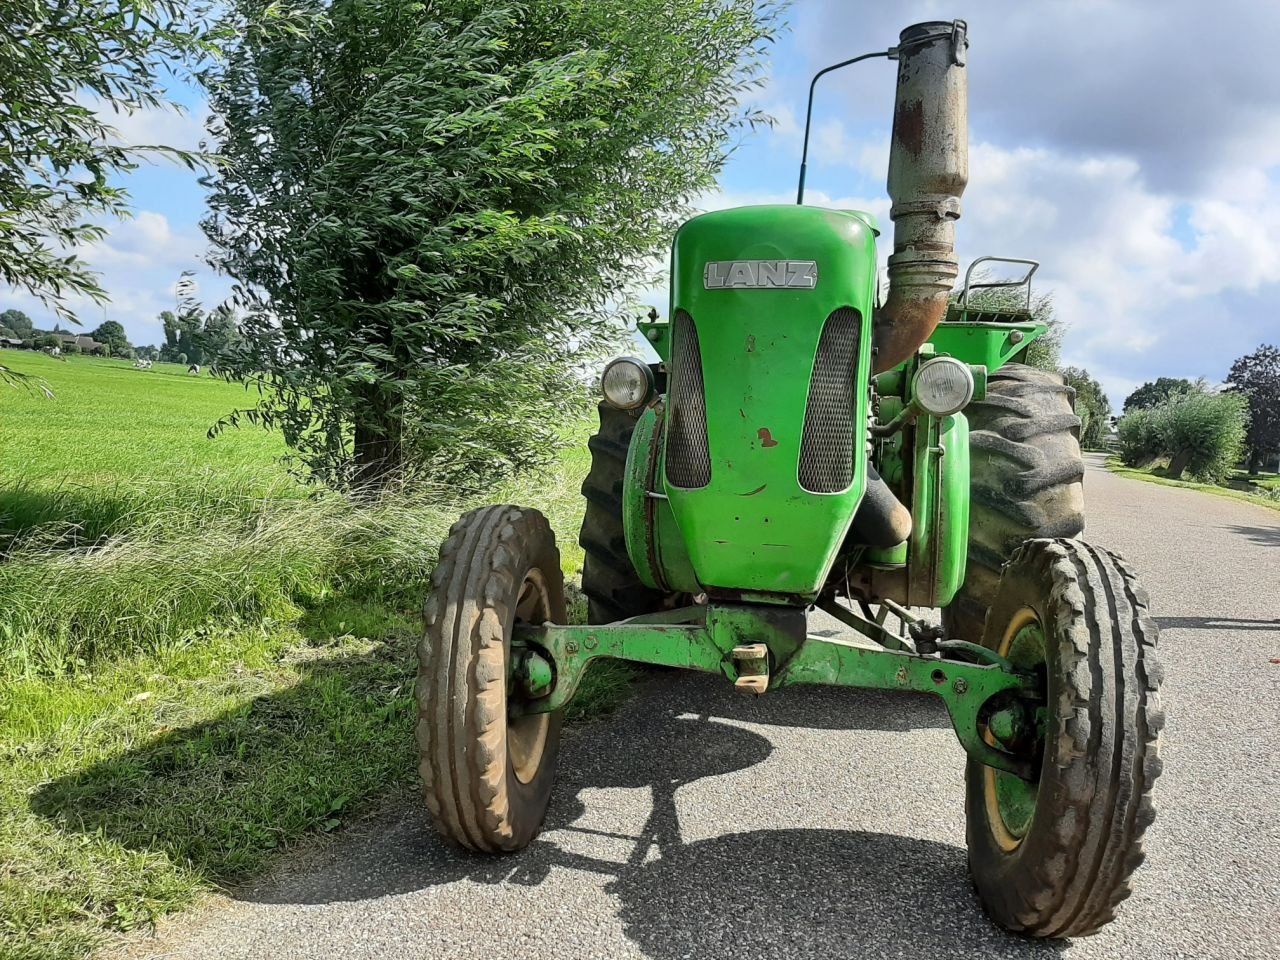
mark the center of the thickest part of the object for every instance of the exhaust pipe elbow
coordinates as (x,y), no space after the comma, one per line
(928,171)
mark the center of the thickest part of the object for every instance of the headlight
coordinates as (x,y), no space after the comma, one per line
(626,383)
(943,386)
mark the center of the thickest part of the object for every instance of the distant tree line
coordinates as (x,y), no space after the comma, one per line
(190,336)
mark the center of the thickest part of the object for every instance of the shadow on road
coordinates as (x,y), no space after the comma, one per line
(1216,623)
(767,892)
(1263,536)
(795,893)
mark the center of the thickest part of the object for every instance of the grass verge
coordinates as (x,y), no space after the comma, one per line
(202,663)
(1147,474)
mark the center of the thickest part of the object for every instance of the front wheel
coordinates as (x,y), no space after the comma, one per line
(1053,858)
(487,777)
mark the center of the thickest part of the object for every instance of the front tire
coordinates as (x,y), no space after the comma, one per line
(613,588)
(487,777)
(1054,858)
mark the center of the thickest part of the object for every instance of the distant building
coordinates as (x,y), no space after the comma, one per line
(12,343)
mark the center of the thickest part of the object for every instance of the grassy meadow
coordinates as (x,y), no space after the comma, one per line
(202,661)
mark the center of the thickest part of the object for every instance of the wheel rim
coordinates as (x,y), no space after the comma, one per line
(1010,800)
(527,734)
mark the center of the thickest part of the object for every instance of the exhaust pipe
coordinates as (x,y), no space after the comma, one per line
(928,171)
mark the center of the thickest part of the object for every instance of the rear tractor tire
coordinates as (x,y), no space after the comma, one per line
(487,776)
(1053,858)
(1026,482)
(613,588)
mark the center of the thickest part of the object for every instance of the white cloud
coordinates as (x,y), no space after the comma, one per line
(158,126)
(139,263)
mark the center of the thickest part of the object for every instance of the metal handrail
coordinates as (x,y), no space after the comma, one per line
(1034,265)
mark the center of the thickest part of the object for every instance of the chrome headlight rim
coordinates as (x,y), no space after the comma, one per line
(956,403)
(645,381)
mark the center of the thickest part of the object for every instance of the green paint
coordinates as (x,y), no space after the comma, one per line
(989,345)
(654,544)
(1015,796)
(532,674)
(704,637)
(754,528)
(658,333)
(938,547)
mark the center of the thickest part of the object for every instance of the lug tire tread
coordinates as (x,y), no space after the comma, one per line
(1027,481)
(1074,867)
(613,589)
(461,729)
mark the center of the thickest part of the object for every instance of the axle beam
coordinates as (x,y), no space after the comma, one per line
(983,699)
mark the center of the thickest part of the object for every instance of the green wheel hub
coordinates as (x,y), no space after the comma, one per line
(1011,800)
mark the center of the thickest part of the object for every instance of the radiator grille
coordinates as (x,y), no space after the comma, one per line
(826,446)
(688,456)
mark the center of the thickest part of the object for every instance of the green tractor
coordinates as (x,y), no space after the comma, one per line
(806,442)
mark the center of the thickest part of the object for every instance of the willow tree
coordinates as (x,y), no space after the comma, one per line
(434,209)
(66,69)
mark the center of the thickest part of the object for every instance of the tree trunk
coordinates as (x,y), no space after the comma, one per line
(379,448)
(1178,464)
(1255,461)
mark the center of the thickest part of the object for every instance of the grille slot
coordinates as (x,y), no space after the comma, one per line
(826,446)
(688,456)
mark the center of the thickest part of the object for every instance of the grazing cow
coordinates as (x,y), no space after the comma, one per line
(194,369)
(143,364)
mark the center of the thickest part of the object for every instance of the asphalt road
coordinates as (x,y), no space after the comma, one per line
(827,823)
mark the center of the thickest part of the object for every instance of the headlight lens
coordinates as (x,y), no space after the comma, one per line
(627,383)
(943,386)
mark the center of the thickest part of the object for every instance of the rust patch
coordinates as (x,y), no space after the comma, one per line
(766,438)
(755,491)
(908,126)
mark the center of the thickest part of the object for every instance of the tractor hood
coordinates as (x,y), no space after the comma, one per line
(765,458)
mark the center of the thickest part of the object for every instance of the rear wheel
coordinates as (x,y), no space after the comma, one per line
(1026,481)
(487,776)
(613,588)
(1053,857)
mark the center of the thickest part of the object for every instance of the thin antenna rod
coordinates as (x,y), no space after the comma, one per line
(891,53)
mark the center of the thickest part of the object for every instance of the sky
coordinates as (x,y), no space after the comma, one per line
(1133,148)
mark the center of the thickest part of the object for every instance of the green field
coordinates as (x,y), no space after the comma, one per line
(202,661)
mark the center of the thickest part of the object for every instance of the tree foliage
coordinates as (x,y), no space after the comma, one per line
(434,208)
(1157,391)
(1201,433)
(111,333)
(198,337)
(1257,376)
(1092,406)
(18,322)
(64,67)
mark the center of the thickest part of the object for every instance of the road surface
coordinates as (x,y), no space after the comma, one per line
(827,823)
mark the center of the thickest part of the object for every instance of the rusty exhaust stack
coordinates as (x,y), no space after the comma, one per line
(928,171)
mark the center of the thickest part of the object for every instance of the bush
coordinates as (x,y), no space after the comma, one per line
(1139,438)
(1202,434)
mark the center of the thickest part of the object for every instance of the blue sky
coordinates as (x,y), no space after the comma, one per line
(1132,148)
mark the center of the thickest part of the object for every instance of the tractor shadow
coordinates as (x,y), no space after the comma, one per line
(1217,623)
(1262,536)
(804,893)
